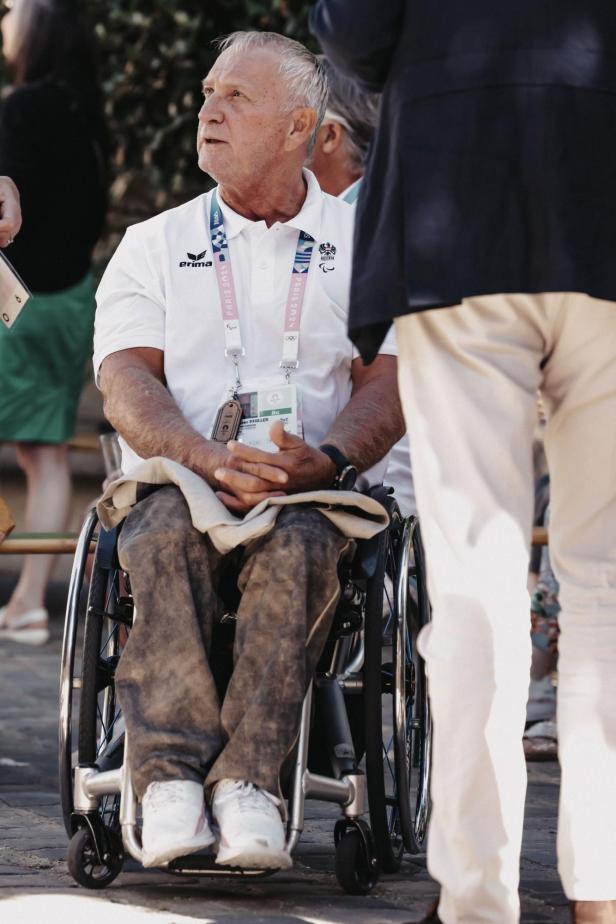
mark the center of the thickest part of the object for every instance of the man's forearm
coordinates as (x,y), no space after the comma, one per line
(146,416)
(370,424)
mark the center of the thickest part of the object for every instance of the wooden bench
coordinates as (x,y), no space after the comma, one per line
(40,544)
(43,543)
(7,523)
(33,543)
(86,442)
(66,543)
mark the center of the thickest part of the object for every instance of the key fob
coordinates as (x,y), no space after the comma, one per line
(228,420)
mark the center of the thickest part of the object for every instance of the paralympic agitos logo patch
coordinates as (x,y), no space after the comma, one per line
(195,260)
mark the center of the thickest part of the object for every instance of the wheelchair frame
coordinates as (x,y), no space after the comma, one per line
(96,852)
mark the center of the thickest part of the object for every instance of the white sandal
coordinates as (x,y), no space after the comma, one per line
(23,628)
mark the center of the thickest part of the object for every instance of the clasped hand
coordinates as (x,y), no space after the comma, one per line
(248,475)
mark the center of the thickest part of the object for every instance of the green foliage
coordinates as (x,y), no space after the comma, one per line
(154,54)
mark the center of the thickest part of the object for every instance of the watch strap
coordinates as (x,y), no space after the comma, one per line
(338,458)
(345,469)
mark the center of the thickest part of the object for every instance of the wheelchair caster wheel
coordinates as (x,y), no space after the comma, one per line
(356,866)
(84,863)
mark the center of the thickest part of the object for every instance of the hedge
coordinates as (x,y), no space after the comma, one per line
(154,54)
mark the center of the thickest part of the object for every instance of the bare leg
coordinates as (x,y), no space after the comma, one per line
(49,493)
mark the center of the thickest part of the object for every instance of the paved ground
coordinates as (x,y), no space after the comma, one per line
(34,883)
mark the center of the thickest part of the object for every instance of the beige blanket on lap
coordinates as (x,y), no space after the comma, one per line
(355,515)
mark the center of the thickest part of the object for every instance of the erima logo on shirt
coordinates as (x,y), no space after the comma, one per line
(195,259)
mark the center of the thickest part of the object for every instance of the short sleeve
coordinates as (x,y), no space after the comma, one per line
(130,303)
(389,346)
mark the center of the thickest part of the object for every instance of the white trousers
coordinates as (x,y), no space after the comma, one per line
(468,380)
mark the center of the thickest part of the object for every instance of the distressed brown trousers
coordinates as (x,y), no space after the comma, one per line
(288,580)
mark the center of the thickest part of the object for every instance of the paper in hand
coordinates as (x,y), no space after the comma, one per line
(13,292)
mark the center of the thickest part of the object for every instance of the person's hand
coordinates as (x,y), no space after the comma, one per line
(240,486)
(10,211)
(305,467)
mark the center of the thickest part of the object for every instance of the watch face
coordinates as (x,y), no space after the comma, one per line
(347,479)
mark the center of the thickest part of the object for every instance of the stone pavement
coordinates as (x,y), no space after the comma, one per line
(35,885)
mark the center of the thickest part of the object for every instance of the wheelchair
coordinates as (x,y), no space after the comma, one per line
(365,730)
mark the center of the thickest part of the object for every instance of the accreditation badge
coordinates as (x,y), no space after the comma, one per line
(262,404)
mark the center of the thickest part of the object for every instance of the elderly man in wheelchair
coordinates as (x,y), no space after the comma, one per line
(221,345)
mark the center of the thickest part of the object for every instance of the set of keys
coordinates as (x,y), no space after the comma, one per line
(228,421)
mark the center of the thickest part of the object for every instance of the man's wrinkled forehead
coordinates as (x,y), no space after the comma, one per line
(258,68)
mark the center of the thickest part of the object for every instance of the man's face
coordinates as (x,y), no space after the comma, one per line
(245,119)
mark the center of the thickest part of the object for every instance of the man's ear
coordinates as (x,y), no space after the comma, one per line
(302,125)
(332,135)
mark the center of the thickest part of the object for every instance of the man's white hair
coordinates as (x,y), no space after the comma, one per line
(302,71)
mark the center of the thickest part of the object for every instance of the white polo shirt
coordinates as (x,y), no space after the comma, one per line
(399,473)
(160,290)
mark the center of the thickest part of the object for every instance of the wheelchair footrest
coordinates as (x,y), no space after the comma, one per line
(203,864)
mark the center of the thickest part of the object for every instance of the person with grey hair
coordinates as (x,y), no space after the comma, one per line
(344,136)
(234,301)
(338,161)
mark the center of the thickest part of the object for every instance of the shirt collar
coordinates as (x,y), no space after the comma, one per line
(308,218)
(351,193)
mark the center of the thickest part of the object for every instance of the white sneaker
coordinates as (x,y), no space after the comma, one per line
(174,821)
(252,835)
(24,628)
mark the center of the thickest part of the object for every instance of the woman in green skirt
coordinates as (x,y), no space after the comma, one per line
(52,143)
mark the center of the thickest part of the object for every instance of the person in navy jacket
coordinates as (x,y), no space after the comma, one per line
(486,227)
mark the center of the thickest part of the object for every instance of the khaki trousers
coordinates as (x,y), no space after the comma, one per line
(468,380)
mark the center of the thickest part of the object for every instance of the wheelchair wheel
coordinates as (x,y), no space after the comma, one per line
(356,867)
(411,718)
(87,685)
(70,671)
(378,686)
(85,865)
(101,728)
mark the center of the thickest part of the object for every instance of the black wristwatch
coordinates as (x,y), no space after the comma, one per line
(346,473)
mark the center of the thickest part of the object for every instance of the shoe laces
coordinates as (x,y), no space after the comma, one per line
(249,796)
(167,793)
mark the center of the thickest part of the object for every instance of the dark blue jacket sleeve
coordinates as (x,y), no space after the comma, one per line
(359,36)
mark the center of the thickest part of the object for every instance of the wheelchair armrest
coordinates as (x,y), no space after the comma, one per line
(382,493)
(365,560)
(366,557)
(107,548)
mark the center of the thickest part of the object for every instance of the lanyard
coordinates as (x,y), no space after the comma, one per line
(234,349)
